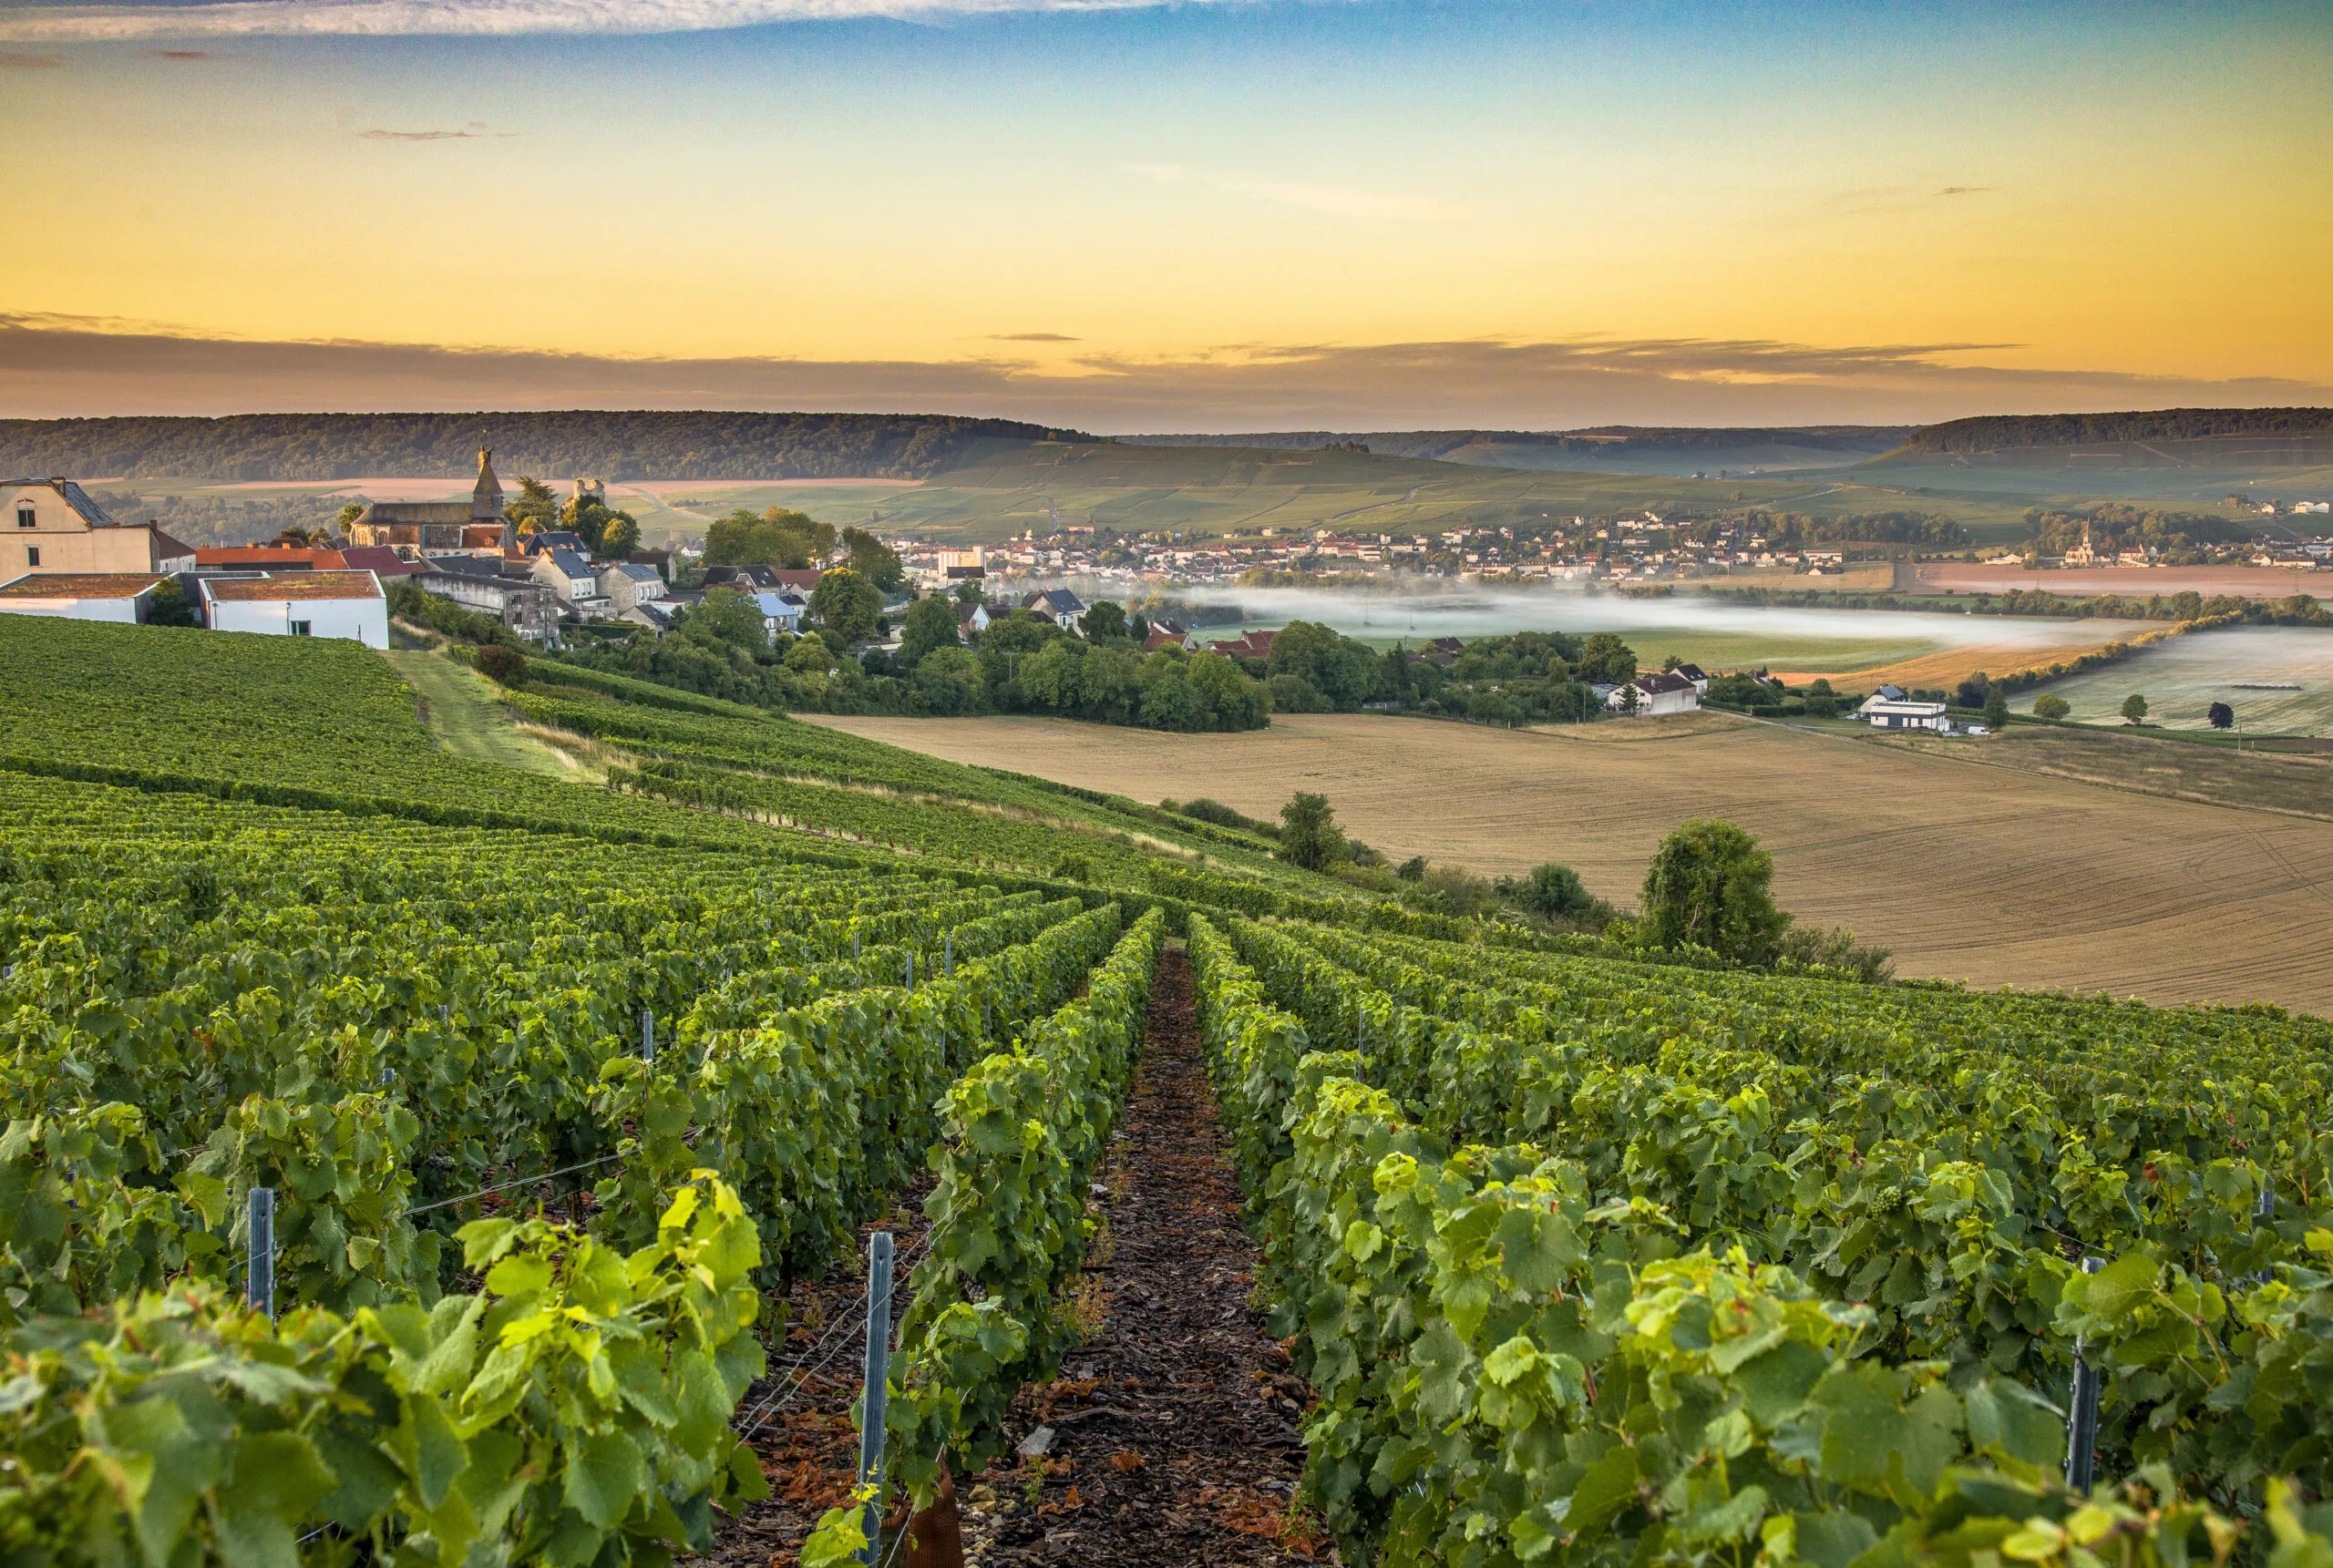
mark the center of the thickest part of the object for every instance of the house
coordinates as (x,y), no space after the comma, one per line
(1666,693)
(972,620)
(767,579)
(1443,649)
(53,526)
(300,604)
(628,584)
(543,541)
(656,614)
(124,597)
(1169,633)
(1249,645)
(780,612)
(1901,713)
(1889,694)
(1058,605)
(477,582)
(1697,675)
(569,574)
(411,527)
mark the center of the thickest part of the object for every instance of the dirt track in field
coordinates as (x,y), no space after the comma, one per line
(1984,874)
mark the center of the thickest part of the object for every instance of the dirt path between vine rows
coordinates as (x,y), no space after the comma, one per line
(1173,1427)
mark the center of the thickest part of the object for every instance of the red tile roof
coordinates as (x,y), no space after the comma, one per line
(270,557)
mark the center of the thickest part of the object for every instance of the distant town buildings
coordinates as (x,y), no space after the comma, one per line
(415,527)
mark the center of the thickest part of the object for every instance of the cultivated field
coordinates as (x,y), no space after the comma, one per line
(2279,679)
(1983,874)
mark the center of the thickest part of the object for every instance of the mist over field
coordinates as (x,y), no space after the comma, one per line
(1487,611)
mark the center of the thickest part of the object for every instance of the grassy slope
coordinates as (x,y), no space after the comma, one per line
(334,718)
(465,712)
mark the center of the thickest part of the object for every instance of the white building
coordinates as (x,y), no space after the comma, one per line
(53,526)
(1882,713)
(300,604)
(571,575)
(124,597)
(1657,695)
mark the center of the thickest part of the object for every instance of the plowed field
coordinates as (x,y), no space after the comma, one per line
(1984,874)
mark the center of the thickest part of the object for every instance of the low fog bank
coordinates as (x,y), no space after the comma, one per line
(1479,612)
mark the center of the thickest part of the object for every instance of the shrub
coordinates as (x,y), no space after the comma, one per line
(2051,708)
(502,663)
(1709,884)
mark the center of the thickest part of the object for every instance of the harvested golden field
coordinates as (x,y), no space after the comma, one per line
(1990,875)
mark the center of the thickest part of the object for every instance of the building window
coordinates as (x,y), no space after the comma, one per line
(300,627)
(32,555)
(27,517)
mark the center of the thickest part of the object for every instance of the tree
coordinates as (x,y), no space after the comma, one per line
(846,604)
(1309,837)
(873,560)
(1554,892)
(1996,708)
(1341,669)
(968,592)
(170,607)
(350,513)
(1709,884)
(778,537)
(1105,621)
(533,509)
(2051,708)
(729,619)
(930,623)
(2134,708)
(1604,658)
(2220,715)
(947,682)
(618,535)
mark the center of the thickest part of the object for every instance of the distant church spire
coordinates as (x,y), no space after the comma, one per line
(486,500)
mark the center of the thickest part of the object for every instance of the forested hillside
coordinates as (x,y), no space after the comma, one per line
(637,444)
(2003,432)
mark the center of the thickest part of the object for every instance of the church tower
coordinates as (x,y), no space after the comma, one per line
(486,500)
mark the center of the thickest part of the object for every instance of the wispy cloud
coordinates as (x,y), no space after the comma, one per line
(1337,201)
(1963,190)
(236,18)
(182,53)
(53,365)
(473,135)
(1031,337)
(29,62)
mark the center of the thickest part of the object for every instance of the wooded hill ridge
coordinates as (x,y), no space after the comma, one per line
(1850,441)
(2005,432)
(614,444)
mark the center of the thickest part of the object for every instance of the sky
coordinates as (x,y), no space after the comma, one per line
(1119,217)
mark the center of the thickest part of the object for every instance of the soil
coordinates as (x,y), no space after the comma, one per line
(1172,1425)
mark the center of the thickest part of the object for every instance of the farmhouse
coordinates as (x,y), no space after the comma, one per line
(409,528)
(1058,605)
(300,604)
(1902,713)
(972,619)
(780,612)
(124,597)
(1667,692)
(53,526)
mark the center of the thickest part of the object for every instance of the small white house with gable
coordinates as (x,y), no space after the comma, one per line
(1882,713)
(1657,695)
(300,604)
(123,597)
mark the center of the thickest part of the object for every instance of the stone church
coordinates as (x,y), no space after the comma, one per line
(441,528)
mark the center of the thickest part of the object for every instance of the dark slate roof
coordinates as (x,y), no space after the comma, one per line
(1060,601)
(572,563)
(75,496)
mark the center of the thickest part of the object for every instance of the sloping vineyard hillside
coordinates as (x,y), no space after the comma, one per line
(1587,1261)
(406,1159)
